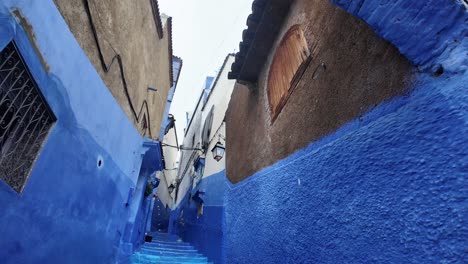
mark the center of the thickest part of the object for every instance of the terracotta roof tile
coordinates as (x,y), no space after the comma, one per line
(157,17)
(262,26)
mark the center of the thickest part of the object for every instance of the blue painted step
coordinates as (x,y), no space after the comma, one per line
(169,253)
(155,241)
(176,250)
(162,246)
(156,259)
(169,249)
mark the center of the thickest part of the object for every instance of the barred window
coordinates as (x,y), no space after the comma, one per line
(25,118)
(289,63)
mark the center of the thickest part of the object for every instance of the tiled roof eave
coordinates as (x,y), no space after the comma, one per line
(263,25)
(157,18)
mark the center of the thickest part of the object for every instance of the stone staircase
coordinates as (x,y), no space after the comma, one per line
(165,249)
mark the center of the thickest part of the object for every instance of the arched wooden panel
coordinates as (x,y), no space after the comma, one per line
(289,62)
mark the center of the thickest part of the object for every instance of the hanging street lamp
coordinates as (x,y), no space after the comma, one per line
(218,151)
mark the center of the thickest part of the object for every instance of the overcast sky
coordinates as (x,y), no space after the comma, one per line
(203,33)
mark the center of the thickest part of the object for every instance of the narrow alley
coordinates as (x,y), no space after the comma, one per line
(220,131)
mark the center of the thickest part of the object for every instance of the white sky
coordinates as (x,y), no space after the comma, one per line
(203,33)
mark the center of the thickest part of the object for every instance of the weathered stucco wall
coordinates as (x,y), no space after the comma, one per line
(362,70)
(388,186)
(126,28)
(72,210)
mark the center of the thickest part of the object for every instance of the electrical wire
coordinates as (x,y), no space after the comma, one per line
(182,148)
(107,68)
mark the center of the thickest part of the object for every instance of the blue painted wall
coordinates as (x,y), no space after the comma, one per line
(71,211)
(205,232)
(429,33)
(160,217)
(391,187)
(140,205)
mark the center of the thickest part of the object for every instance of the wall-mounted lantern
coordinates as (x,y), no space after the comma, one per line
(218,151)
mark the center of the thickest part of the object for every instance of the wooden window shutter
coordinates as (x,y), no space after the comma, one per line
(289,63)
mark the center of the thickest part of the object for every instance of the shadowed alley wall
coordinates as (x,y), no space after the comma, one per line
(72,209)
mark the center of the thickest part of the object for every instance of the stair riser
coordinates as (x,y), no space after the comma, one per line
(168,242)
(170,247)
(169,259)
(165,237)
(171,254)
(165,248)
(146,251)
(150,251)
(174,256)
(170,250)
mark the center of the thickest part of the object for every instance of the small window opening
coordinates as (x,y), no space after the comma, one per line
(200,209)
(438,71)
(144,125)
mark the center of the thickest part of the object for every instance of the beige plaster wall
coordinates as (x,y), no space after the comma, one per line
(127,28)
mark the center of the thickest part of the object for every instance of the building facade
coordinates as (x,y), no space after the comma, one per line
(164,200)
(74,164)
(130,45)
(198,214)
(345,133)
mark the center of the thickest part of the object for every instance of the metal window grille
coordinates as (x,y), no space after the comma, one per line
(25,118)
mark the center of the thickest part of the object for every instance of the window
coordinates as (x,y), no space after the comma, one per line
(144,125)
(199,166)
(25,119)
(200,209)
(289,63)
(206,132)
